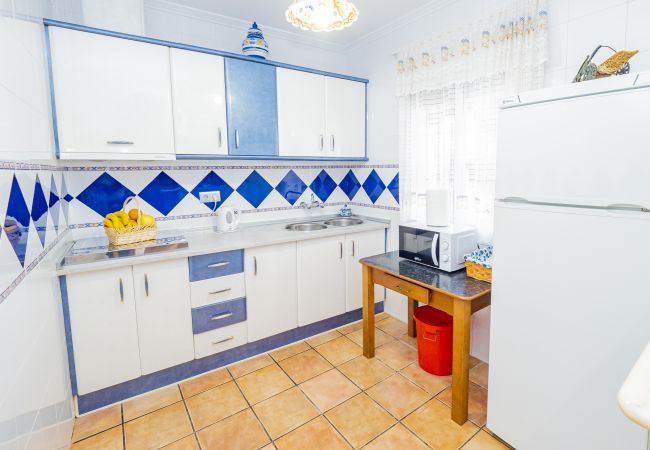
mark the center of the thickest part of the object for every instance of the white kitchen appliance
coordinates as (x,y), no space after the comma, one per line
(439,247)
(570,302)
(228,218)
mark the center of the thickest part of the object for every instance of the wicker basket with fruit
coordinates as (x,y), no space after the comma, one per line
(124,228)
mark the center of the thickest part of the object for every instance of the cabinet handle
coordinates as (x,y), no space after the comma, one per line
(333,143)
(322,142)
(146,285)
(236,138)
(220,141)
(223,340)
(254,265)
(121,291)
(219,264)
(221,316)
(401,289)
(221,291)
(120,142)
(341,250)
(352,248)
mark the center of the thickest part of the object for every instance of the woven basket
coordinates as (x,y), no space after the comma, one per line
(478,271)
(131,235)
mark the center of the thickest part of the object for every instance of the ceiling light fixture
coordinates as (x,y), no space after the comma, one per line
(322,15)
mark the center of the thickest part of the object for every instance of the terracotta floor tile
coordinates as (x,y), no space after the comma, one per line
(305,365)
(97,421)
(360,420)
(291,350)
(433,384)
(396,438)
(398,396)
(479,375)
(432,423)
(151,402)
(106,440)
(392,326)
(158,428)
(396,354)
(264,383)
(239,432)
(187,443)
(474,361)
(408,340)
(349,328)
(329,389)
(317,434)
(477,405)
(339,350)
(204,382)
(381,338)
(215,404)
(268,447)
(365,372)
(285,412)
(250,365)
(322,338)
(382,316)
(483,441)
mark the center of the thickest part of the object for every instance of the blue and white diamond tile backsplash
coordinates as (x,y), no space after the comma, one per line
(172,192)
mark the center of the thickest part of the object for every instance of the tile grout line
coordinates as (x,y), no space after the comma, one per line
(252,410)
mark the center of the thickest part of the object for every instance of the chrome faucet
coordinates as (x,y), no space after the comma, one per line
(314,203)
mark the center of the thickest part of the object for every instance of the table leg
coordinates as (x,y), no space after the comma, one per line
(368,312)
(460,367)
(413,304)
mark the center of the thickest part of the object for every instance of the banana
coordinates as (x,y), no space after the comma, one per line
(108,223)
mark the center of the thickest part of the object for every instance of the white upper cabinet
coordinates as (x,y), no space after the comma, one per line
(162,294)
(361,245)
(345,118)
(199,99)
(301,113)
(113,97)
(104,328)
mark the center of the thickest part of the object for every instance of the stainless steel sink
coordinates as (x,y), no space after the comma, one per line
(343,222)
(306,226)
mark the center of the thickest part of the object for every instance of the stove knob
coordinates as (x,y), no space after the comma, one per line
(445,258)
(445,245)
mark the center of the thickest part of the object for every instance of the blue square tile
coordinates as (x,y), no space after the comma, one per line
(39,210)
(350,185)
(163,193)
(291,187)
(212,182)
(373,186)
(255,189)
(393,187)
(17,220)
(323,185)
(104,195)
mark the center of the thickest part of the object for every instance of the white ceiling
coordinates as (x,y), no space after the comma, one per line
(373,14)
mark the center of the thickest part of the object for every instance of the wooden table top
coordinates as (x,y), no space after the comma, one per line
(456,284)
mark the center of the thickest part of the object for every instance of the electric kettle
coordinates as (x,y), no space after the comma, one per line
(227,218)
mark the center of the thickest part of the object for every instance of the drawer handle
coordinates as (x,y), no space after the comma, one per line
(221,316)
(121,291)
(401,288)
(120,142)
(220,291)
(219,264)
(223,340)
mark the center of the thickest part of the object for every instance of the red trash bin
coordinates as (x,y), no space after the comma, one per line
(435,339)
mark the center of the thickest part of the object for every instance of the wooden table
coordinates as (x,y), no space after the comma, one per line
(454,293)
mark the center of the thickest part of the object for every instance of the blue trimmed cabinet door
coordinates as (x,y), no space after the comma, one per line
(252,108)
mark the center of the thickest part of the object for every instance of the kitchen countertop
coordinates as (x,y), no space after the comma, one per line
(207,240)
(456,283)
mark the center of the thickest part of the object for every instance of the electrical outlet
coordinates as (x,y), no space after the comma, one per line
(210,197)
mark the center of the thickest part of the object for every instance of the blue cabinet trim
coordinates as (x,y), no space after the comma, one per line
(117,393)
(63,284)
(218,315)
(216,265)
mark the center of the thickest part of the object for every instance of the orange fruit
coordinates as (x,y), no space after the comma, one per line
(133,214)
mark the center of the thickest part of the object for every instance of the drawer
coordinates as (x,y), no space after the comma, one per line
(216,265)
(218,315)
(214,290)
(219,340)
(411,290)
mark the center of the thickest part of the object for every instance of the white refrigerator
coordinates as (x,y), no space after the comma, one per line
(571,280)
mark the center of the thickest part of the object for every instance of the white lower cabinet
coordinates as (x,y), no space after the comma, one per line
(104,328)
(321,279)
(361,245)
(162,293)
(219,340)
(271,299)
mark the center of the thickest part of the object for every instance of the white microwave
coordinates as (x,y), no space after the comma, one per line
(439,247)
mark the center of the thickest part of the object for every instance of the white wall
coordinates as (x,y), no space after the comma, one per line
(576,27)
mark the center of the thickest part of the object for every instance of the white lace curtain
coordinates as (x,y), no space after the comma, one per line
(448,89)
